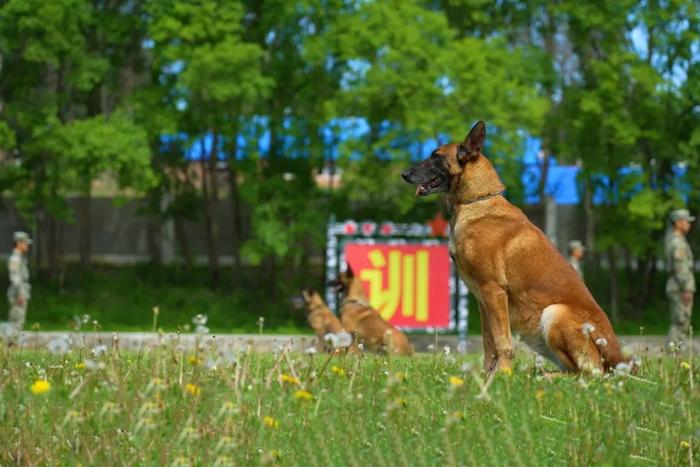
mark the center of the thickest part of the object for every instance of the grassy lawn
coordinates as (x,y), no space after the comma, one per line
(166,407)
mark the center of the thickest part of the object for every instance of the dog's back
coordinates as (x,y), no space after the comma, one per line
(375,333)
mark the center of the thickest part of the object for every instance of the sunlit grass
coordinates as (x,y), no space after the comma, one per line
(168,406)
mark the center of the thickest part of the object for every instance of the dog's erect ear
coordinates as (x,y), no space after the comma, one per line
(472,144)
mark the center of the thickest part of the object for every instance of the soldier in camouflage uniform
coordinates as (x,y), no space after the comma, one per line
(576,250)
(19,292)
(680,287)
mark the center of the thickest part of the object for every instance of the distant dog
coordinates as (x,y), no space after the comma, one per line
(321,318)
(359,318)
(518,277)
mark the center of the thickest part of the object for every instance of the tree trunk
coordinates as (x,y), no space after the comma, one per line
(183,243)
(85,240)
(590,224)
(236,230)
(209,193)
(614,286)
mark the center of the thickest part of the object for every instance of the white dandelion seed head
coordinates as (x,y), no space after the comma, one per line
(210,364)
(587,329)
(58,346)
(601,342)
(201,330)
(311,350)
(446,350)
(90,365)
(330,339)
(539,362)
(431,347)
(344,339)
(622,368)
(466,367)
(99,350)
(199,320)
(361,346)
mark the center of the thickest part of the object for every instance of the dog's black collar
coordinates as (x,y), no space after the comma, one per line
(483,197)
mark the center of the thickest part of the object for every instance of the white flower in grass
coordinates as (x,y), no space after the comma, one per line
(199,320)
(539,362)
(431,347)
(311,350)
(338,340)
(446,350)
(99,350)
(622,368)
(587,329)
(58,346)
(466,367)
(94,366)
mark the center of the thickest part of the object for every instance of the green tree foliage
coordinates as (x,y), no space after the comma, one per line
(272,87)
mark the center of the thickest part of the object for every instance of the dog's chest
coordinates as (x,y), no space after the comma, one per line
(457,255)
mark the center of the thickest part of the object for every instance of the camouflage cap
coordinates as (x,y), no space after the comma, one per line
(681,214)
(22,237)
(576,245)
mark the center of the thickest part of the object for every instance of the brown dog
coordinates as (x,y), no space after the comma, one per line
(359,318)
(518,277)
(320,317)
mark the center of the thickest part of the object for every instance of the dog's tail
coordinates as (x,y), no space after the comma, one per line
(613,358)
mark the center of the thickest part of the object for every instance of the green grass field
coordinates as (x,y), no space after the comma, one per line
(170,407)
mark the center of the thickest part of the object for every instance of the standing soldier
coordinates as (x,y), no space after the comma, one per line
(20,291)
(576,250)
(681,281)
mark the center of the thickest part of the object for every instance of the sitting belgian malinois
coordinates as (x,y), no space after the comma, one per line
(320,318)
(520,280)
(359,318)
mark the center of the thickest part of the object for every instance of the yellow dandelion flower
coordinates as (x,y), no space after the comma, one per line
(685,444)
(271,422)
(303,395)
(539,394)
(285,378)
(685,365)
(338,371)
(40,386)
(194,360)
(80,366)
(192,389)
(456,381)
(507,371)
(400,375)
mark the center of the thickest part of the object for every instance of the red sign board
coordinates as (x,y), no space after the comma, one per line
(408,284)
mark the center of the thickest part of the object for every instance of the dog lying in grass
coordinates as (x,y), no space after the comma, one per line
(359,318)
(328,328)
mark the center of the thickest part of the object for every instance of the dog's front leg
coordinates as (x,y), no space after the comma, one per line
(495,310)
(490,355)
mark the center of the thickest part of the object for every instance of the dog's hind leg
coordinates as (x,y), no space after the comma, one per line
(575,349)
